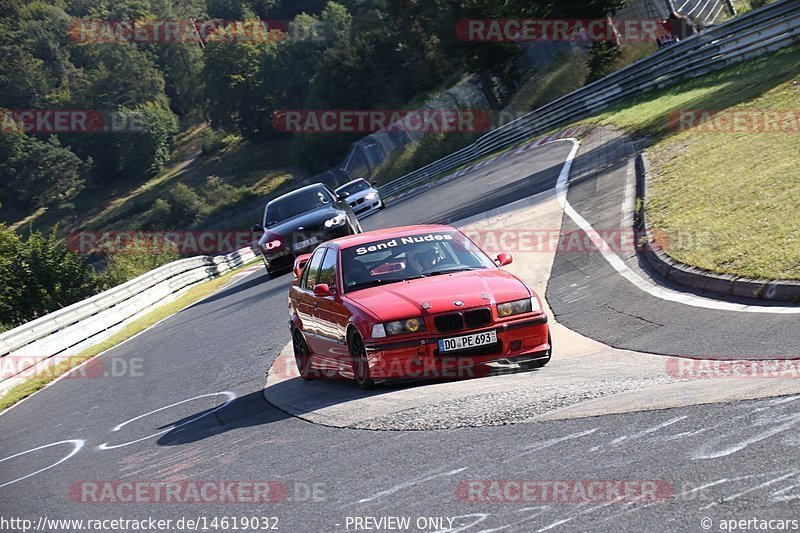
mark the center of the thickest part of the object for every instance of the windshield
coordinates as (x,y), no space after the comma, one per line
(354,187)
(290,206)
(415,256)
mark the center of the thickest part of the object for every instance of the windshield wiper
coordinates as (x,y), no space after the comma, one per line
(376,282)
(450,270)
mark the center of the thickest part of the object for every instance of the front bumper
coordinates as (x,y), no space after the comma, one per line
(366,207)
(419,358)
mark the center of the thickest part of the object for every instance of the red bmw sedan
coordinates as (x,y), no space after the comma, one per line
(411,302)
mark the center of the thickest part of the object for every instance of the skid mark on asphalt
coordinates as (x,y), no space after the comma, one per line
(535,447)
(407,484)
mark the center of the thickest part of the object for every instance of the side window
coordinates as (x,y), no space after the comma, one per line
(327,272)
(313,269)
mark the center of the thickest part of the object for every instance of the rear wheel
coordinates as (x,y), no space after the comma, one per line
(358,356)
(302,356)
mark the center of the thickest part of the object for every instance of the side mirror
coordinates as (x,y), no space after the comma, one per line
(342,195)
(322,289)
(374,184)
(256,228)
(503,259)
(299,264)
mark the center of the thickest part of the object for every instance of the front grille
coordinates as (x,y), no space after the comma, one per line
(360,201)
(478,317)
(448,322)
(352,204)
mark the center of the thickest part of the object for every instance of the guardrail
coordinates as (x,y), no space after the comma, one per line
(73,328)
(764,30)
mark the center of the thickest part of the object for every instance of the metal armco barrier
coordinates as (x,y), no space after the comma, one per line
(82,324)
(761,31)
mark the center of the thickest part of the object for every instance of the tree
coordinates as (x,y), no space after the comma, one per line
(144,153)
(39,275)
(39,173)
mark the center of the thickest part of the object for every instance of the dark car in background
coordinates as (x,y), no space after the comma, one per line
(297,222)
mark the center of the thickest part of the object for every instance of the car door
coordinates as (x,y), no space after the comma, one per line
(305,297)
(330,315)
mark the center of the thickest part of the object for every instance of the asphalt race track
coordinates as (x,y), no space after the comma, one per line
(195,409)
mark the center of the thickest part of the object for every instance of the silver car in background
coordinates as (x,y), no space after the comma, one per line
(362,196)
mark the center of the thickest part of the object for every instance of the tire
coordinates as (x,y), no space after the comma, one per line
(302,356)
(383,204)
(539,363)
(358,357)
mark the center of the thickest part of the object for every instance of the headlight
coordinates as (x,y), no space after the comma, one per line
(412,325)
(338,220)
(526,305)
(371,196)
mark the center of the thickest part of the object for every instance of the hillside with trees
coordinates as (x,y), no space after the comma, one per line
(205,141)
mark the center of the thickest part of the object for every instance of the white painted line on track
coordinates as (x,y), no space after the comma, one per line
(231,396)
(647,286)
(77,444)
(129,339)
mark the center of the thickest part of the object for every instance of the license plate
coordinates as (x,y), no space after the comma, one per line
(466,342)
(308,242)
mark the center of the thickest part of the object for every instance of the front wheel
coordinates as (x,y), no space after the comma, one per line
(358,356)
(302,356)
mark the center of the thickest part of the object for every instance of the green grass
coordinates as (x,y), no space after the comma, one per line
(193,295)
(725,202)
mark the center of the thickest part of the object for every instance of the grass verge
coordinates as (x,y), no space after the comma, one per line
(193,295)
(725,202)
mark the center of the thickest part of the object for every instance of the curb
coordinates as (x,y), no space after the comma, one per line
(696,278)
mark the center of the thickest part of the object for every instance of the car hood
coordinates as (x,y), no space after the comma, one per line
(360,194)
(404,299)
(310,221)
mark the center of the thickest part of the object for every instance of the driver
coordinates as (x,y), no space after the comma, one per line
(424,260)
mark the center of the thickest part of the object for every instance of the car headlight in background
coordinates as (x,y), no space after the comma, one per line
(411,325)
(371,196)
(526,305)
(336,221)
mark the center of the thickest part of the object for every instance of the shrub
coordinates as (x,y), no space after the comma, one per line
(39,275)
(136,258)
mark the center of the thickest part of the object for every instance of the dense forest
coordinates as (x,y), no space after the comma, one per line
(350,54)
